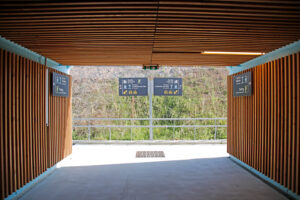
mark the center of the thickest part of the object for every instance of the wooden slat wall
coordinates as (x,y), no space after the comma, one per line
(264,129)
(27,146)
(60,127)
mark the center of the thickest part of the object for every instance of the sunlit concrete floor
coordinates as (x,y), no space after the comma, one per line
(187,172)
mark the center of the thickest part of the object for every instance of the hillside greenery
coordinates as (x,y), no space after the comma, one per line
(95,95)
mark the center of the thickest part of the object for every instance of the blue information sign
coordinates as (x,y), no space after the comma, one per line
(60,85)
(133,87)
(168,86)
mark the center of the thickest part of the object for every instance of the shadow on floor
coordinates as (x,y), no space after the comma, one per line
(207,178)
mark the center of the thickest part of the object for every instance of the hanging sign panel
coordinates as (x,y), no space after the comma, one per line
(133,87)
(60,85)
(168,86)
(242,85)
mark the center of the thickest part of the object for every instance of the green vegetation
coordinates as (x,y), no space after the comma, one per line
(95,94)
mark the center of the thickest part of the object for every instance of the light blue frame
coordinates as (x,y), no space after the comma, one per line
(26,53)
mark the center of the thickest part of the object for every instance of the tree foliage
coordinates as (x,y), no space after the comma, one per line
(95,94)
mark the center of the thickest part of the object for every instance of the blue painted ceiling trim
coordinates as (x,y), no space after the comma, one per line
(273,55)
(65,68)
(26,53)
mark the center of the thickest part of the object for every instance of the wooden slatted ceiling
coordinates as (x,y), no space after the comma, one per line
(140,32)
(264,129)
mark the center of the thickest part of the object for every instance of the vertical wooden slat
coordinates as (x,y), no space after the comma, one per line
(293,121)
(59,128)
(33,131)
(268,120)
(49,140)
(6,124)
(258,153)
(49,128)
(263,158)
(228,115)
(232,126)
(29,121)
(13,118)
(42,122)
(251,128)
(285,161)
(31,111)
(36,133)
(265,122)
(282,120)
(245,130)
(38,117)
(258,117)
(17,119)
(289,122)
(298,126)
(2,162)
(55,125)
(275,129)
(24,119)
(278,127)
(44,119)
(21,120)
(25,113)
(240,130)
(10,128)
(52,130)
(271,129)
(254,93)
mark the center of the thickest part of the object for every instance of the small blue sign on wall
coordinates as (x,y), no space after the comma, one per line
(60,85)
(133,87)
(168,86)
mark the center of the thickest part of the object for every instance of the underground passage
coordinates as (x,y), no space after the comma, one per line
(150,99)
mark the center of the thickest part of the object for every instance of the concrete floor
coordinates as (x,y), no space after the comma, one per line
(188,172)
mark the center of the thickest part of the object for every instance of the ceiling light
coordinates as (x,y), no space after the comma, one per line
(232,53)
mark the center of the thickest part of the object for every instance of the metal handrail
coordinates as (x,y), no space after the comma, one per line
(141,119)
(89,126)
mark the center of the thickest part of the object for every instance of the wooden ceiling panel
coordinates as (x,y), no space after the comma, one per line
(172,33)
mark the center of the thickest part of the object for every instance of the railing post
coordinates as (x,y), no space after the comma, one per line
(150,86)
(109,133)
(215,129)
(89,132)
(131,130)
(173,129)
(194,129)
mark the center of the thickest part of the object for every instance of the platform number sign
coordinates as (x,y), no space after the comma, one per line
(133,87)
(242,84)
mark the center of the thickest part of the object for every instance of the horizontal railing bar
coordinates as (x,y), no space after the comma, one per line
(110,119)
(183,119)
(148,126)
(144,119)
